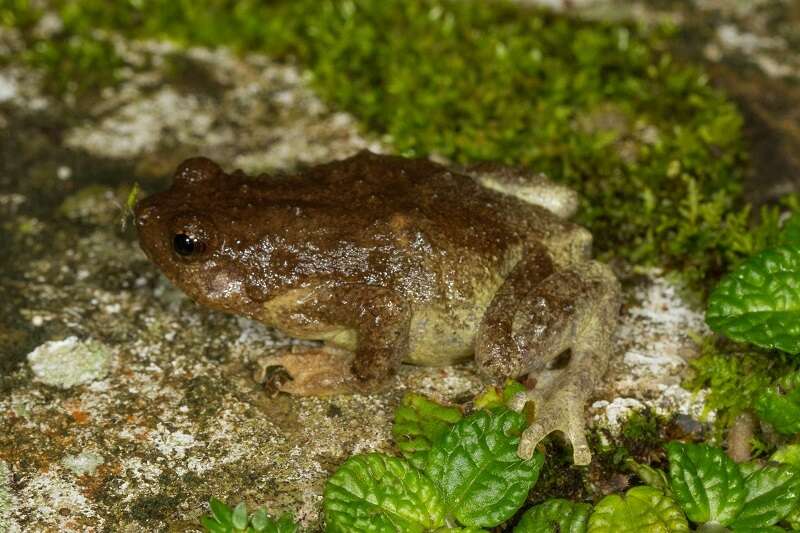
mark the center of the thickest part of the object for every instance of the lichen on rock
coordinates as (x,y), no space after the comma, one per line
(83,463)
(70,362)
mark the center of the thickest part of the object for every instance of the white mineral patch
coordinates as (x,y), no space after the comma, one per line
(732,37)
(768,52)
(20,86)
(618,410)
(654,336)
(70,362)
(658,330)
(139,125)
(267,120)
(8,88)
(83,463)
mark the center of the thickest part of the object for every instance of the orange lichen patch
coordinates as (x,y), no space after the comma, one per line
(81,417)
(74,409)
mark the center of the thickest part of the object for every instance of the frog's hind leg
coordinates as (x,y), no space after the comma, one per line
(573,309)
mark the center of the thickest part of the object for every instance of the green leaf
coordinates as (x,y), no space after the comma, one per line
(239,517)
(705,482)
(496,397)
(759,302)
(418,423)
(747,468)
(655,477)
(789,454)
(555,516)
(793,518)
(260,520)
(213,526)
(772,493)
(641,509)
(461,530)
(285,524)
(378,493)
(263,523)
(477,470)
(769,529)
(221,512)
(780,404)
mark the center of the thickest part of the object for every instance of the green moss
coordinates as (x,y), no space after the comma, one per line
(655,151)
(75,62)
(75,59)
(735,375)
(642,430)
(19,14)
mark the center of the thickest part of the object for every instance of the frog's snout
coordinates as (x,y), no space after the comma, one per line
(143,213)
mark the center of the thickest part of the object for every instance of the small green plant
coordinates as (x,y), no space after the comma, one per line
(77,62)
(735,376)
(712,489)
(377,492)
(476,468)
(499,396)
(471,476)
(471,480)
(223,519)
(640,509)
(759,302)
(555,515)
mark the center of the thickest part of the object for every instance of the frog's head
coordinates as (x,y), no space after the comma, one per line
(190,235)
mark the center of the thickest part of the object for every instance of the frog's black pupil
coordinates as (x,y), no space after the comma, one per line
(183,244)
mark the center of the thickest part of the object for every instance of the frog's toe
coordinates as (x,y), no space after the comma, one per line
(273,378)
(312,372)
(562,412)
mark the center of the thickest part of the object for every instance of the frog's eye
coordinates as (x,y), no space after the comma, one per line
(187,246)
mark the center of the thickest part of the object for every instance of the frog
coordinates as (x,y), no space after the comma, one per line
(387,260)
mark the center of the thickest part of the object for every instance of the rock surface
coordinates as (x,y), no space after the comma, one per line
(165,412)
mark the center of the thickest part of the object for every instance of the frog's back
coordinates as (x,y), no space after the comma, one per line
(453,210)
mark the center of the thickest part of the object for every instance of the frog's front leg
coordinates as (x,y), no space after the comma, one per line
(380,320)
(573,309)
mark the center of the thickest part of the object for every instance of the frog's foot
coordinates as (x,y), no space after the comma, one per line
(528,330)
(311,372)
(555,410)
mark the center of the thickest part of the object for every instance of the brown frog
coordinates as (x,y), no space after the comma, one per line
(389,260)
